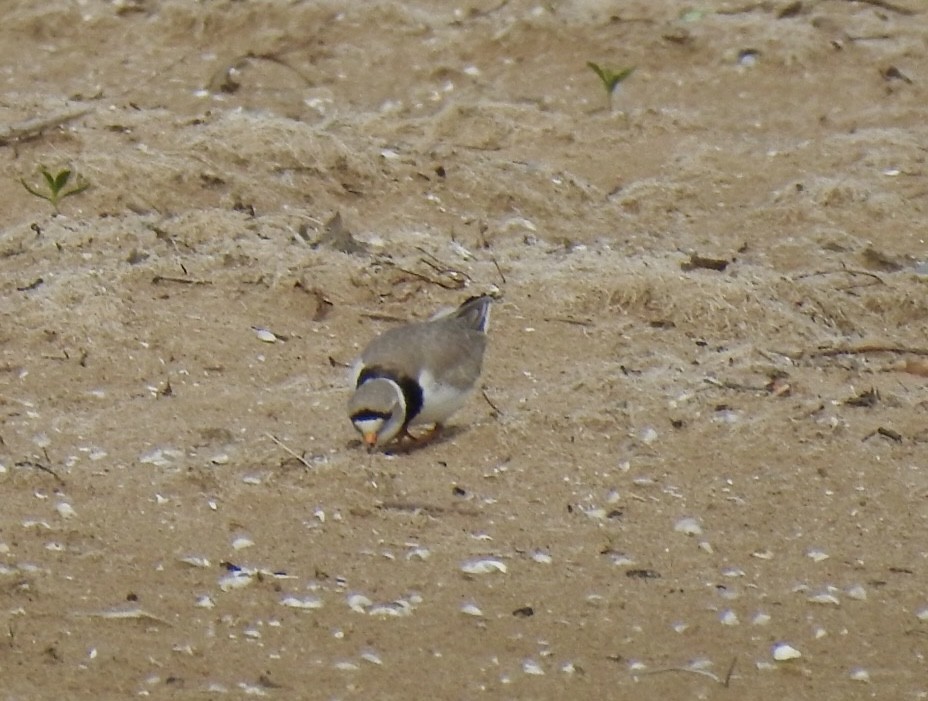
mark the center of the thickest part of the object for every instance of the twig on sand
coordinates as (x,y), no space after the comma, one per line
(845,271)
(865,348)
(499,270)
(492,405)
(39,466)
(724,384)
(158,279)
(289,450)
(703,672)
(883,4)
(32,128)
(444,285)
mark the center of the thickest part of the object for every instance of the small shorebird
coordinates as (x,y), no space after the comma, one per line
(419,373)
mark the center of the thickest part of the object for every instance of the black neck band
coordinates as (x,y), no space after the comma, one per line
(412,391)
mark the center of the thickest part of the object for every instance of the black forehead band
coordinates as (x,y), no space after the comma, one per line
(368,415)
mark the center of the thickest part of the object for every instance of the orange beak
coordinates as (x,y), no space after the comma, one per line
(370,439)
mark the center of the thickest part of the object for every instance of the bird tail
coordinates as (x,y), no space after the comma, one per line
(475,313)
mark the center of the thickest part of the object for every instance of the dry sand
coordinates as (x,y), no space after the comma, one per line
(673,464)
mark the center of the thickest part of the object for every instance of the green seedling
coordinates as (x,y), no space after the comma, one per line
(57,186)
(610,79)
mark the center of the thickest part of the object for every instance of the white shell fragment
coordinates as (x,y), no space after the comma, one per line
(195,561)
(359,603)
(235,580)
(65,510)
(371,656)
(728,618)
(816,554)
(125,613)
(542,557)
(859,674)
(392,609)
(305,603)
(783,652)
(241,542)
(688,526)
(419,553)
(825,598)
(486,565)
(264,335)
(532,667)
(469,608)
(857,592)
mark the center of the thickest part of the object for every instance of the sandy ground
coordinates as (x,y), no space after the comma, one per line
(699,444)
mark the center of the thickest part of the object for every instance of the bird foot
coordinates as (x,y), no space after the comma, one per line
(407,442)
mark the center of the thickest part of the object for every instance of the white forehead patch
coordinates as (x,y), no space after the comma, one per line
(368,426)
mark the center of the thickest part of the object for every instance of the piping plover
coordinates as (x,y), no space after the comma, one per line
(420,373)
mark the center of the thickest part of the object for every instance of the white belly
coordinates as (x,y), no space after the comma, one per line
(438,401)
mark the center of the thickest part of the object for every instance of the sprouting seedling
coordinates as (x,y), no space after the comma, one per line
(57,186)
(610,79)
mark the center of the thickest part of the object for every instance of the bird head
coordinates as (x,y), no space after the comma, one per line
(378,411)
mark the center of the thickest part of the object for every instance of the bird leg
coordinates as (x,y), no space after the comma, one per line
(408,442)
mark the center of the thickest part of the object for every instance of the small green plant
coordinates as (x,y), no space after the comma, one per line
(57,186)
(610,79)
